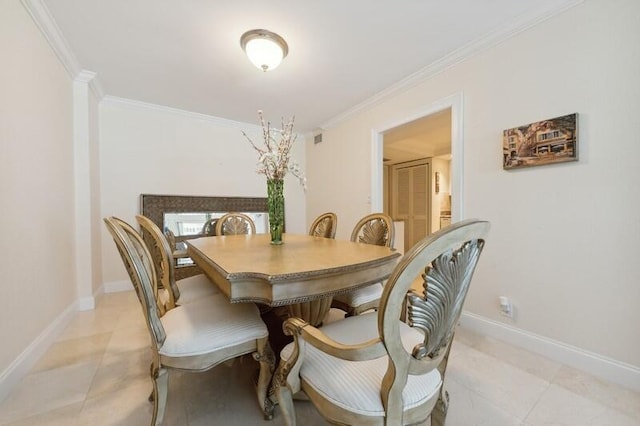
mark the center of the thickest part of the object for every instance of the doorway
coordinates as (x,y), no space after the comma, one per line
(441,156)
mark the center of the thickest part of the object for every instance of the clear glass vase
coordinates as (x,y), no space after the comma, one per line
(275,203)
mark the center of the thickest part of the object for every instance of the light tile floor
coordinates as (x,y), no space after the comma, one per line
(97,374)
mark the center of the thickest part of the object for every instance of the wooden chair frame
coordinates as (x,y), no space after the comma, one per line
(235,223)
(375,228)
(162,256)
(191,288)
(446,260)
(324,226)
(137,261)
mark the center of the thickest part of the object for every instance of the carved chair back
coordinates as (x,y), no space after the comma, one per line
(376,229)
(446,261)
(324,226)
(235,224)
(162,255)
(412,330)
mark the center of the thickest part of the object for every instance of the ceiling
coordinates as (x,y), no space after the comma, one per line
(186,54)
(425,137)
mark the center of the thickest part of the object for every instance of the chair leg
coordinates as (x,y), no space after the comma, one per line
(439,413)
(285,400)
(159,395)
(264,355)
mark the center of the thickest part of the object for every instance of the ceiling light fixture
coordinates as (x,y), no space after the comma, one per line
(265,49)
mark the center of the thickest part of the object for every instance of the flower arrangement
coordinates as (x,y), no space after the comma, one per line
(275,162)
(275,158)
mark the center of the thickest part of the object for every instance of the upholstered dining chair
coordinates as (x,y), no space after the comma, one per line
(377,229)
(387,366)
(194,337)
(235,223)
(324,226)
(172,292)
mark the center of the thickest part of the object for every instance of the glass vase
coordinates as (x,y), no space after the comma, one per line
(275,203)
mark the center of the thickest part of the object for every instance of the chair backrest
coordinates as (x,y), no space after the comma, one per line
(137,261)
(234,224)
(171,238)
(324,226)
(446,261)
(162,255)
(209,227)
(376,229)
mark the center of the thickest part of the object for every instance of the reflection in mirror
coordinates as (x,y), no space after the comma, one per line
(184,217)
(193,224)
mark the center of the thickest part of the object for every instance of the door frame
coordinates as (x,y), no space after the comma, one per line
(455,102)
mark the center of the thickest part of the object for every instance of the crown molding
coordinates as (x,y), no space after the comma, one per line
(90,78)
(139,105)
(490,40)
(51,32)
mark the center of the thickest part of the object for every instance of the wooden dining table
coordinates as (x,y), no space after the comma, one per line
(303,273)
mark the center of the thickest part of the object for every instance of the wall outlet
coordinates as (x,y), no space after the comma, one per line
(505,307)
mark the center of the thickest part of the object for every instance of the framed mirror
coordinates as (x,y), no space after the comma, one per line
(186,216)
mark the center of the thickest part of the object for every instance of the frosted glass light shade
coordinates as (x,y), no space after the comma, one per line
(264,48)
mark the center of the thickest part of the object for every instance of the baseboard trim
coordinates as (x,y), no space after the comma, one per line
(30,356)
(116,286)
(608,369)
(87,303)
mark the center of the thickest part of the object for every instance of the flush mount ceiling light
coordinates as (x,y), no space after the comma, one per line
(265,49)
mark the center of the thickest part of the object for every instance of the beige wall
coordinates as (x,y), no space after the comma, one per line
(563,243)
(36,184)
(153,150)
(440,201)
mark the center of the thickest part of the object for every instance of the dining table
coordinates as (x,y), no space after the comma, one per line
(303,273)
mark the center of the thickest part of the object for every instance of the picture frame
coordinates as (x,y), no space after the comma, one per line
(550,141)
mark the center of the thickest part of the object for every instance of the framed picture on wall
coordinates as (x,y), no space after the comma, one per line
(544,142)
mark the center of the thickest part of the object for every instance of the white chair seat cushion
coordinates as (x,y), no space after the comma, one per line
(195,288)
(355,386)
(210,324)
(361,296)
(191,289)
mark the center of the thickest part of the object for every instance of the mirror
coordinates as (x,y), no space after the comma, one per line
(193,224)
(185,216)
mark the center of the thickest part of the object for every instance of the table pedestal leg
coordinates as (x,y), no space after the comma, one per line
(312,311)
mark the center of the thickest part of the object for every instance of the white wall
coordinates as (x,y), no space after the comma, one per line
(94,198)
(87,191)
(156,150)
(36,186)
(563,243)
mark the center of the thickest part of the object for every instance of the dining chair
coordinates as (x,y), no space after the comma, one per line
(324,226)
(377,229)
(387,367)
(209,227)
(235,223)
(194,337)
(172,292)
